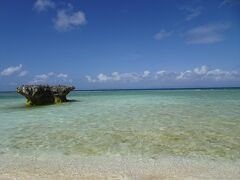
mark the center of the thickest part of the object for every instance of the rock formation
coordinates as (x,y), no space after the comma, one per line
(44,94)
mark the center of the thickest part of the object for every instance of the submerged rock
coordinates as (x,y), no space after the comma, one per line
(44,94)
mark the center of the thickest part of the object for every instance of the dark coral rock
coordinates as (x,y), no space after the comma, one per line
(44,94)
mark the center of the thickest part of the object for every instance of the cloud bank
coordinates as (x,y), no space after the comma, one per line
(50,77)
(115,76)
(202,73)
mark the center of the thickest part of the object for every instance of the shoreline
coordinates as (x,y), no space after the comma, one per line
(115,167)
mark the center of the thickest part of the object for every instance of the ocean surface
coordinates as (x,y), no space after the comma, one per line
(141,124)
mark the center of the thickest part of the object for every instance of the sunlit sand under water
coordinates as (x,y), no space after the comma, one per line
(154,134)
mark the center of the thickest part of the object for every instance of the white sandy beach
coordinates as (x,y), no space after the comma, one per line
(74,167)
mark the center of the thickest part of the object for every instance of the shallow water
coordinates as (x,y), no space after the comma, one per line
(142,123)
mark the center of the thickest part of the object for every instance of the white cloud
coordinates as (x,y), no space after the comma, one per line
(192,12)
(66,19)
(43,5)
(61,75)
(42,77)
(160,74)
(164,75)
(22,73)
(146,73)
(162,34)
(50,77)
(201,70)
(103,77)
(11,70)
(130,77)
(115,76)
(206,34)
(209,28)
(185,75)
(205,73)
(210,39)
(219,74)
(229,2)
(202,73)
(89,79)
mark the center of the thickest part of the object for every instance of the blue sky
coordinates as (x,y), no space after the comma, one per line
(96,44)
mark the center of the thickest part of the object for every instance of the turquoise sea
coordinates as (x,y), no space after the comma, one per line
(141,124)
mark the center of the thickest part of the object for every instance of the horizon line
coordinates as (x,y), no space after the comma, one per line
(127,89)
